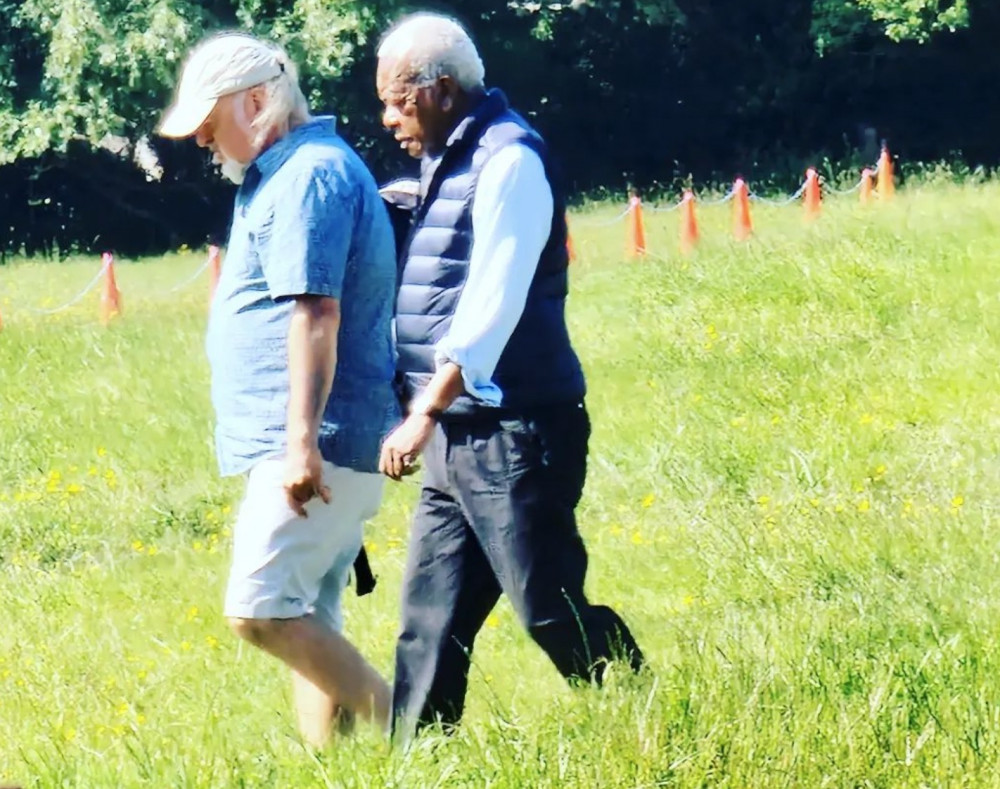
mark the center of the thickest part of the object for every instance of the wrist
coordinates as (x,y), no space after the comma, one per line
(425,407)
(302,440)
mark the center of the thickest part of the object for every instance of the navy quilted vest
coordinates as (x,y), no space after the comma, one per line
(538,366)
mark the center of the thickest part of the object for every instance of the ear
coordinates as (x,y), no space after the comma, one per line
(447,90)
(256,97)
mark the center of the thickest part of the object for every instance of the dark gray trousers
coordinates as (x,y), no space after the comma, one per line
(496,514)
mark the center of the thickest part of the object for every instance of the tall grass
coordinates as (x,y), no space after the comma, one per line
(792,497)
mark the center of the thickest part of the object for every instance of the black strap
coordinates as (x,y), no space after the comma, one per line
(364,579)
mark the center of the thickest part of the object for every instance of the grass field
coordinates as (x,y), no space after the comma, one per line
(793,498)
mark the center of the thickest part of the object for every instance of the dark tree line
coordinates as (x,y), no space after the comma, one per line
(653,94)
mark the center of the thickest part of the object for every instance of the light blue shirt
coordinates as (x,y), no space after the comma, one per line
(308,219)
(511,222)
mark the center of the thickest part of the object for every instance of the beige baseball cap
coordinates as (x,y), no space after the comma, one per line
(220,65)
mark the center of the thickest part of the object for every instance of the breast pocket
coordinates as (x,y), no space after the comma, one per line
(249,241)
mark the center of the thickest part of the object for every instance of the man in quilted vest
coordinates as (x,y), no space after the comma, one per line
(493,390)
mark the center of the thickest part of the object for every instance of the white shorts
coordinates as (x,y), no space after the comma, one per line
(285,566)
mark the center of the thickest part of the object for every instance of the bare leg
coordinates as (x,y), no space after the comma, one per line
(319,714)
(337,679)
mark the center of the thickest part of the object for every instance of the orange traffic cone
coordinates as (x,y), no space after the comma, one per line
(214,269)
(812,198)
(635,241)
(570,249)
(866,186)
(886,186)
(111,298)
(742,223)
(689,223)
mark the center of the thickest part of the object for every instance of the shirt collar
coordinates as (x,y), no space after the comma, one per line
(270,160)
(493,104)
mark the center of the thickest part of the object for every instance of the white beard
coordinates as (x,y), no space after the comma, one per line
(233,170)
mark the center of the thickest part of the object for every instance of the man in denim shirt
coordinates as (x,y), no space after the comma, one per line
(300,347)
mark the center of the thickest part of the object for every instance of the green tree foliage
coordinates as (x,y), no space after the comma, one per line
(840,21)
(625,90)
(82,69)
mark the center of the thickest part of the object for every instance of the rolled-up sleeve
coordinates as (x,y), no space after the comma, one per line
(511,224)
(309,240)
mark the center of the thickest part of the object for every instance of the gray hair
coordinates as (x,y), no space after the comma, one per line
(430,46)
(285,105)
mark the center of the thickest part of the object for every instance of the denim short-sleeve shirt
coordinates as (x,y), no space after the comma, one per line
(308,220)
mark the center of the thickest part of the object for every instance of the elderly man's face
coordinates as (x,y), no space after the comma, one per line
(228,133)
(419,117)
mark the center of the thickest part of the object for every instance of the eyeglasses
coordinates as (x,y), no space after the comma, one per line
(406,96)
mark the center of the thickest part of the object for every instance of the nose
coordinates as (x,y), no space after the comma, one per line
(203,136)
(391,116)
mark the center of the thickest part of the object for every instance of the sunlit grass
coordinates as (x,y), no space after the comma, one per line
(792,498)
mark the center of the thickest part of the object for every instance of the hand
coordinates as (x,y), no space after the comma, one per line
(304,478)
(404,444)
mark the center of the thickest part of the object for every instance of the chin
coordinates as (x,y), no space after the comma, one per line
(233,171)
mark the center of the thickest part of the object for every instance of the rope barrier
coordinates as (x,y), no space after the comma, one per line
(634,208)
(666,209)
(787,201)
(90,286)
(730,195)
(189,280)
(721,201)
(605,223)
